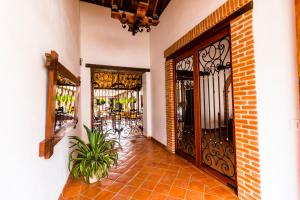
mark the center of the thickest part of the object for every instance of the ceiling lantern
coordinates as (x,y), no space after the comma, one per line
(138,21)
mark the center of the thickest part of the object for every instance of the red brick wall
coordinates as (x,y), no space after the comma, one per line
(244,91)
(170,104)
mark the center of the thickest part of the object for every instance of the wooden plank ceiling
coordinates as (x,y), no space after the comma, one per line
(131,5)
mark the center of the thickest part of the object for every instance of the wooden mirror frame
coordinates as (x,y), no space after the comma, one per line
(52,137)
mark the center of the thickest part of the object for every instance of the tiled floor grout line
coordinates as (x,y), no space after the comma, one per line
(188,187)
(145,158)
(132,179)
(113,181)
(139,187)
(171,188)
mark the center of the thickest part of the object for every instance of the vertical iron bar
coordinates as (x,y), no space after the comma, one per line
(138,101)
(182,95)
(209,117)
(225,106)
(178,111)
(214,104)
(204,108)
(219,113)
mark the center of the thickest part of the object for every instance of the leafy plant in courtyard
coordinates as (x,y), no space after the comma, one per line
(101,101)
(132,100)
(92,160)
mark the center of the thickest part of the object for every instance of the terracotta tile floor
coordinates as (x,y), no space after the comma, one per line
(147,171)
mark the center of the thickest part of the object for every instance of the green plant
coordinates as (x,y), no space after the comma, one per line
(132,100)
(59,99)
(64,98)
(93,159)
(101,101)
(72,99)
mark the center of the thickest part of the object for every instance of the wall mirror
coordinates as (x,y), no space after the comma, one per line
(62,103)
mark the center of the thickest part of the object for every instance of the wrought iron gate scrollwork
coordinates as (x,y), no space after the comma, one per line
(117,107)
(185,64)
(185,106)
(218,150)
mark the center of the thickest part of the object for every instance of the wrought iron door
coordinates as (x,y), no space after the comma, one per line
(117,103)
(217,149)
(185,139)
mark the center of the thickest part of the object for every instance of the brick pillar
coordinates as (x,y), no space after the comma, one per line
(245,109)
(170,104)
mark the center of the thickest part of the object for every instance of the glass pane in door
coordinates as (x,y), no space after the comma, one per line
(185,140)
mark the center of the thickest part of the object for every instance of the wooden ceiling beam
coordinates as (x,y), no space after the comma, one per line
(155,6)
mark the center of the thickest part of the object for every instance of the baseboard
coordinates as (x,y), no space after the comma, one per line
(157,142)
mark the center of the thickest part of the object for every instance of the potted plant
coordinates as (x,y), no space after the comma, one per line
(58,99)
(101,101)
(132,100)
(92,160)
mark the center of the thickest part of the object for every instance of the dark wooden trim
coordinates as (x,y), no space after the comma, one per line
(197,107)
(68,74)
(225,31)
(186,156)
(130,5)
(220,177)
(117,68)
(212,31)
(233,109)
(188,53)
(46,146)
(193,49)
(52,137)
(176,60)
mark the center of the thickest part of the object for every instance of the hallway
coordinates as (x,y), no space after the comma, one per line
(147,171)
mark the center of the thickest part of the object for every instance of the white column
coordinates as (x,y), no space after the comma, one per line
(147,115)
(85,94)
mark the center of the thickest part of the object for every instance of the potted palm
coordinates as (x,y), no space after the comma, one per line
(92,160)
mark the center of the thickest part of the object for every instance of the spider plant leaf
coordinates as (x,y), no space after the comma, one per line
(93,159)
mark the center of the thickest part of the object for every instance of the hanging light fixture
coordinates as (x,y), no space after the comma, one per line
(136,22)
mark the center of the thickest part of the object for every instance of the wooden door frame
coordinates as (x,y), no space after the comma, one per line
(219,33)
(108,68)
(176,60)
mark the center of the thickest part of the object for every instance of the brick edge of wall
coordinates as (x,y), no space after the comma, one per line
(244,89)
(170,104)
(245,109)
(228,8)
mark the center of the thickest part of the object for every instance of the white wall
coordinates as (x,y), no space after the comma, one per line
(105,42)
(178,18)
(147,106)
(277,84)
(28,30)
(278,97)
